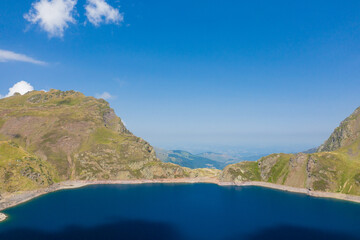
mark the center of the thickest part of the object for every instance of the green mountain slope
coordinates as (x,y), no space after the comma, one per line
(20,170)
(68,136)
(334,168)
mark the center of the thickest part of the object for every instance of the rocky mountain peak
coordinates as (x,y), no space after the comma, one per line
(346,134)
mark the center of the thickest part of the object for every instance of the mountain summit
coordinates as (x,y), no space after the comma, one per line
(345,135)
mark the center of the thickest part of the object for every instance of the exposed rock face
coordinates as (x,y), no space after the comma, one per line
(266,164)
(66,135)
(114,122)
(344,135)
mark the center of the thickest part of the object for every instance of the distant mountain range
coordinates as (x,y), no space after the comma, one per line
(201,160)
(220,157)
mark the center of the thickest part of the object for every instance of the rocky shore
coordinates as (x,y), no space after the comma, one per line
(10,200)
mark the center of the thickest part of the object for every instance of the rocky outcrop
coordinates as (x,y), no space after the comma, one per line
(2,217)
(114,122)
(344,135)
(266,164)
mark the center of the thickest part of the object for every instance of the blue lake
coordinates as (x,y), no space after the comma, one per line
(181,211)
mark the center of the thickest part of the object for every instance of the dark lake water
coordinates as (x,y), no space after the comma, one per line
(181,211)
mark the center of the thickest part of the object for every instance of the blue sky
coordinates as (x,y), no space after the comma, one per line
(198,75)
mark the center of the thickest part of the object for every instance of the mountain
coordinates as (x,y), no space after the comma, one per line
(201,160)
(311,150)
(49,137)
(220,157)
(348,133)
(55,136)
(186,159)
(334,167)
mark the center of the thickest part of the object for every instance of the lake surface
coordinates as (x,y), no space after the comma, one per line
(181,211)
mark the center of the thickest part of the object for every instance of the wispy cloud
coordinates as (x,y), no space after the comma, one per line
(53,16)
(104,95)
(99,11)
(21,87)
(6,56)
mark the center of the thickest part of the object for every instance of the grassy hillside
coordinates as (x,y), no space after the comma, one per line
(335,167)
(20,170)
(329,171)
(66,135)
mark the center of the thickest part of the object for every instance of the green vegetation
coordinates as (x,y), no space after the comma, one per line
(335,167)
(20,170)
(331,171)
(55,136)
(240,172)
(320,185)
(280,169)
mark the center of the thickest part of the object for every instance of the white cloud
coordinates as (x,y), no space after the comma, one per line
(21,87)
(104,95)
(6,56)
(98,11)
(53,16)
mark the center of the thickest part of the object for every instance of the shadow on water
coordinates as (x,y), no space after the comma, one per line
(294,233)
(143,230)
(121,229)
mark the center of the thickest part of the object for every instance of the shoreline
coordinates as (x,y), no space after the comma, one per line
(14,199)
(318,194)
(11,200)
